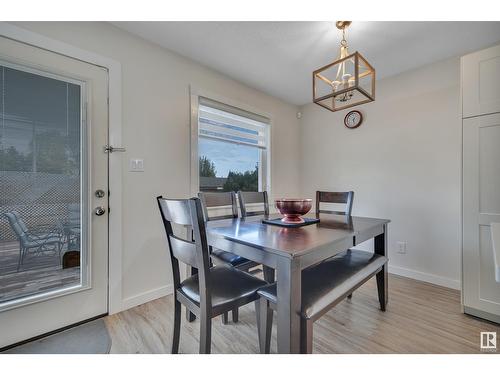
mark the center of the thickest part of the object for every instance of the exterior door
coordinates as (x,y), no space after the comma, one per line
(53,191)
(481,207)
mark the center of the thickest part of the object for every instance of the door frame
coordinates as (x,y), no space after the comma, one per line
(115,296)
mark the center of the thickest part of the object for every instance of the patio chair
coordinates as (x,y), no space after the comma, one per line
(40,231)
(50,240)
(71,227)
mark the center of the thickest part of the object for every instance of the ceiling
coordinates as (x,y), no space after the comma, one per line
(278,57)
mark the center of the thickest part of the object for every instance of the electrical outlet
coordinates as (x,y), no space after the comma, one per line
(402,247)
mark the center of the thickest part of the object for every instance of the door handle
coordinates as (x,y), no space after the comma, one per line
(99,211)
(110,149)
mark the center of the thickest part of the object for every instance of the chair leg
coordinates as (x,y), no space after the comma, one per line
(382,288)
(190,271)
(268,274)
(257,316)
(177,327)
(225,318)
(59,250)
(205,334)
(21,255)
(235,315)
(306,336)
(264,324)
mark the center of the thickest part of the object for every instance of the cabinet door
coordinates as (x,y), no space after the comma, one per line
(481,82)
(481,207)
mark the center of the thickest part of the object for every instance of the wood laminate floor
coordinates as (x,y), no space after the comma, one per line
(420,318)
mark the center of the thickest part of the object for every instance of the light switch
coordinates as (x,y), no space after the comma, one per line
(136,165)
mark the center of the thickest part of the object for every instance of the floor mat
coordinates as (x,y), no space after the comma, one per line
(88,338)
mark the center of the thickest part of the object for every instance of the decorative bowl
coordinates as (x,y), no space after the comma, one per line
(293,209)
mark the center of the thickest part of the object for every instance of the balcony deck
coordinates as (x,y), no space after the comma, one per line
(38,274)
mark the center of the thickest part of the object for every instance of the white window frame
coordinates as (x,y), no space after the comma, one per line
(196,93)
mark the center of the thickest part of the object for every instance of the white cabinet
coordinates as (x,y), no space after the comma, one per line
(481,207)
(481,181)
(481,82)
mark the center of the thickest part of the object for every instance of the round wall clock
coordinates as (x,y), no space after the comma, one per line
(353,119)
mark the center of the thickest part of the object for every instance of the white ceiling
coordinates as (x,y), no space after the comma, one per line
(278,57)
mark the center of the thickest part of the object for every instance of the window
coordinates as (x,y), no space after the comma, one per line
(232,148)
(40,181)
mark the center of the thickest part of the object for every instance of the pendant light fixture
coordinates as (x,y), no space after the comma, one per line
(346,82)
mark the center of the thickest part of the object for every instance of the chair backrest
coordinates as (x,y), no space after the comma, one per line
(16,227)
(253,197)
(223,200)
(20,221)
(346,198)
(186,212)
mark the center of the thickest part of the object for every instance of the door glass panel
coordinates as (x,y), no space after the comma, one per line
(40,184)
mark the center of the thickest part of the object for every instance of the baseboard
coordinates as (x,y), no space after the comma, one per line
(150,295)
(482,314)
(427,277)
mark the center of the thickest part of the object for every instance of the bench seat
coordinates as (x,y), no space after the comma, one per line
(329,282)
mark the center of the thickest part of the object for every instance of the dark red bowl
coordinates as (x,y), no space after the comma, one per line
(293,209)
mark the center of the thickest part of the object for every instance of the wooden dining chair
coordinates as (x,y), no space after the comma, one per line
(256,198)
(213,290)
(253,197)
(224,202)
(323,287)
(346,198)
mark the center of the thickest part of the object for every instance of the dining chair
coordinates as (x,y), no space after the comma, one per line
(222,202)
(213,290)
(323,287)
(251,198)
(256,198)
(346,198)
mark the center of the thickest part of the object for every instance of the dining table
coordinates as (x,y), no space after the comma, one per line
(289,250)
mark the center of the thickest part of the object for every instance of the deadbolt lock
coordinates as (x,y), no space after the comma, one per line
(99,193)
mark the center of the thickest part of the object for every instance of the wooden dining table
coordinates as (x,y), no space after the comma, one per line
(290,250)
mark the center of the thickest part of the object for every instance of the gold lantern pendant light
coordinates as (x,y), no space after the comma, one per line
(347,82)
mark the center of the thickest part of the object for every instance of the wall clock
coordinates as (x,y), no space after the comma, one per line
(353,119)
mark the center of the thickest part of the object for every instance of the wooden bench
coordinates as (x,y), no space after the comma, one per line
(323,286)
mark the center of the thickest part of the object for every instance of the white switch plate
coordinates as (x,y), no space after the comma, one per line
(136,165)
(401,247)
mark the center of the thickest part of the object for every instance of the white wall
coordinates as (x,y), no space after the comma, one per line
(404,163)
(156,127)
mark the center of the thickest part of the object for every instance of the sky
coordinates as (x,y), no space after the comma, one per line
(228,156)
(32,102)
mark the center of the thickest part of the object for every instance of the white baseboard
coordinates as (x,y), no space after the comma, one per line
(150,295)
(427,277)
